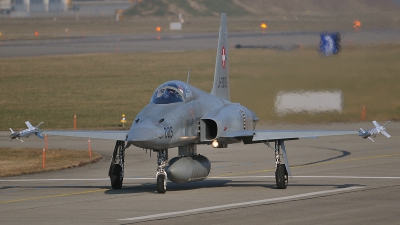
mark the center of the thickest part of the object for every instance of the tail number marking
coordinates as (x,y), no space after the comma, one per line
(223,82)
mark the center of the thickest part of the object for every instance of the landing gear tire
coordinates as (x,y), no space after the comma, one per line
(281,176)
(161,184)
(116,176)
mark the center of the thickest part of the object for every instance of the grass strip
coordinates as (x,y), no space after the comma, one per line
(15,162)
(100,88)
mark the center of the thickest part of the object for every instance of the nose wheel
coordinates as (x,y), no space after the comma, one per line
(161,184)
(161,175)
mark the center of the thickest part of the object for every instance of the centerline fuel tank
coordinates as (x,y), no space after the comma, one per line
(188,168)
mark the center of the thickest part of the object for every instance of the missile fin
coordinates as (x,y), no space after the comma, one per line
(386,134)
(371,139)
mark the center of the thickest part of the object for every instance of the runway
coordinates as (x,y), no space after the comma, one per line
(128,43)
(336,180)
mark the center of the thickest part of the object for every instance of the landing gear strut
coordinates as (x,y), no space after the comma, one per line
(161,175)
(116,171)
(281,175)
(282,171)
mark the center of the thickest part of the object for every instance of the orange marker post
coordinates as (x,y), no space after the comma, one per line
(357,24)
(46,143)
(90,148)
(363,113)
(158,29)
(44,159)
(74,121)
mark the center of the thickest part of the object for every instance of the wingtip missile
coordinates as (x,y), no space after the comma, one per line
(373,132)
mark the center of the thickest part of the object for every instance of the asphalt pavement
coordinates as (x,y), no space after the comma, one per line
(129,43)
(336,180)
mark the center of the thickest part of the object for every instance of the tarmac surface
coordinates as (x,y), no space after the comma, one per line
(336,180)
(128,43)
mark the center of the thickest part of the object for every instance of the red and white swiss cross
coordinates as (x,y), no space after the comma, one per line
(223,56)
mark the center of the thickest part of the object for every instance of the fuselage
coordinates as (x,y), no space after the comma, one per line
(23,133)
(178,123)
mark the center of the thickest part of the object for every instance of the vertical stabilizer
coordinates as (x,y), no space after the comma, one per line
(37,126)
(29,125)
(221,74)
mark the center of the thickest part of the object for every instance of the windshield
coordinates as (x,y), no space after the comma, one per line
(171,92)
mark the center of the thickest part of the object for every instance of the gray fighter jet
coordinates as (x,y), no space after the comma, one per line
(180,115)
(27,132)
(373,132)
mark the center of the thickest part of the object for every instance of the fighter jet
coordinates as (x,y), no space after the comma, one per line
(27,132)
(182,116)
(373,132)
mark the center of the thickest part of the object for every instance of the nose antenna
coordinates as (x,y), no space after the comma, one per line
(188,76)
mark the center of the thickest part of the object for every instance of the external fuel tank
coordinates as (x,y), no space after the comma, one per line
(188,168)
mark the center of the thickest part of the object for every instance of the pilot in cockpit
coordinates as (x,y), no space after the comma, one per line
(168,93)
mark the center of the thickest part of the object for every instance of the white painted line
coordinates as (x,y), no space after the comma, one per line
(240,204)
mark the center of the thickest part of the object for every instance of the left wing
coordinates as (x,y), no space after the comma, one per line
(100,134)
(267,135)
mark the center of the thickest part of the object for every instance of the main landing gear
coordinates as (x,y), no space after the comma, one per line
(116,171)
(161,175)
(282,171)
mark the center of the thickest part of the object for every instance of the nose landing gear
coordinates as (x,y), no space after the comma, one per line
(161,175)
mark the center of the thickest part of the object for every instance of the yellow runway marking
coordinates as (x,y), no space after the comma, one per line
(52,196)
(316,164)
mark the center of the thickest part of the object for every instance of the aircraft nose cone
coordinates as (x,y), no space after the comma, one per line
(143,137)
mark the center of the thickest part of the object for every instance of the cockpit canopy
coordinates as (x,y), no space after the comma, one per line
(172,92)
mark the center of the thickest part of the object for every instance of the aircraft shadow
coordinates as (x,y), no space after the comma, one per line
(172,187)
(344,154)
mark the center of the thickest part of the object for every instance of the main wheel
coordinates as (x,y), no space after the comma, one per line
(281,176)
(115,176)
(161,184)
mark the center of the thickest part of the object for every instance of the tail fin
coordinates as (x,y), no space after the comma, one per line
(37,126)
(11,130)
(29,125)
(377,124)
(221,73)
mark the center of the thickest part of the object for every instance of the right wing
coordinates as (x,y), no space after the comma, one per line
(99,134)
